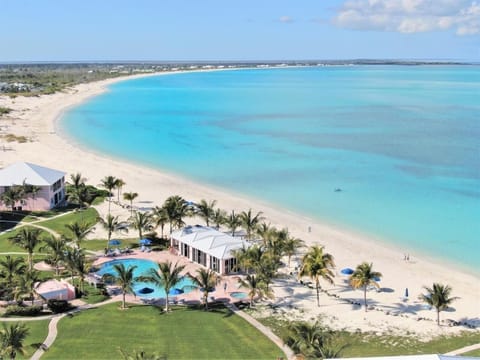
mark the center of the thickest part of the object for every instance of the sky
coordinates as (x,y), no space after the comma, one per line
(189,30)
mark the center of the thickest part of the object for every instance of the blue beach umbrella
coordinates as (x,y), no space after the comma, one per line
(376,278)
(114,242)
(347,271)
(175,291)
(145,242)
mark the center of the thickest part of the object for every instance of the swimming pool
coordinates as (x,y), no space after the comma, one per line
(239,295)
(143,267)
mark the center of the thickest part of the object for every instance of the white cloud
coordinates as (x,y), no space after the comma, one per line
(286,19)
(410,16)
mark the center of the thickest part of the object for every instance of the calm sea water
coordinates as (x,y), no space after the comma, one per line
(401,142)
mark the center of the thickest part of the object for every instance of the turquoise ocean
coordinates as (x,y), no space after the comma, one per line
(401,142)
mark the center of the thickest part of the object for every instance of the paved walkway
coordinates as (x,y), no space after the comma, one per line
(262,328)
(463,350)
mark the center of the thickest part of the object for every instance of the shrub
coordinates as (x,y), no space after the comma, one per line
(23,310)
(59,306)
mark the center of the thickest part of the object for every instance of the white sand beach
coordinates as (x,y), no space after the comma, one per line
(35,117)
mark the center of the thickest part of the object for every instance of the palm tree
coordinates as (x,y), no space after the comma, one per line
(312,340)
(206,210)
(218,217)
(141,221)
(26,285)
(78,180)
(250,222)
(111,224)
(130,196)
(123,278)
(233,222)
(438,296)
(119,184)
(255,287)
(32,190)
(11,267)
(317,265)
(364,276)
(109,183)
(55,248)
(28,239)
(160,218)
(11,340)
(79,230)
(167,276)
(12,195)
(77,263)
(206,279)
(77,190)
(291,246)
(176,208)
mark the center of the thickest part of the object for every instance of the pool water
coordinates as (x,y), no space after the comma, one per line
(143,267)
(239,295)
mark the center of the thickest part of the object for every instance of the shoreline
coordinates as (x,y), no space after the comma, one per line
(38,118)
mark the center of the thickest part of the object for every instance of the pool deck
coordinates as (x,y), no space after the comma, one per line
(195,296)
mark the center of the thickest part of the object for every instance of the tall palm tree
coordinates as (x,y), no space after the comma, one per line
(77,262)
(255,287)
(28,239)
(26,285)
(123,278)
(111,225)
(79,230)
(32,191)
(55,248)
(176,209)
(317,265)
(167,275)
(233,222)
(206,279)
(119,184)
(250,222)
(364,276)
(130,196)
(11,340)
(77,180)
(264,229)
(291,246)
(11,267)
(77,191)
(109,183)
(206,210)
(160,218)
(141,221)
(438,296)
(218,217)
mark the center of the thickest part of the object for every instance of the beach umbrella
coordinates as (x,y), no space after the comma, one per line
(347,271)
(175,291)
(376,278)
(114,242)
(146,290)
(145,242)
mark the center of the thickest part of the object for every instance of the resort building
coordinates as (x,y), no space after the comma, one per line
(208,247)
(47,186)
(55,289)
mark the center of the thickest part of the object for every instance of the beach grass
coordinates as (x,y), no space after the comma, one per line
(185,333)
(368,344)
(37,333)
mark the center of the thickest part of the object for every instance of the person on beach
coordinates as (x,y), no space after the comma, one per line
(225,287)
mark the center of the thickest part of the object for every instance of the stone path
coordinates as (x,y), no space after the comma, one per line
(263,329)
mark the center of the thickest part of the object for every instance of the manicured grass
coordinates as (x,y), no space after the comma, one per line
(88,216)
(182,334)
(100,244)
(472,353)
(7,246)
(38,331)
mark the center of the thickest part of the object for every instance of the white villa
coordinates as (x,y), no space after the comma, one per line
(208,247)
(51,185)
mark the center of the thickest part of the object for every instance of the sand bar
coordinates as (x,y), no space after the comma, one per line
(35,117)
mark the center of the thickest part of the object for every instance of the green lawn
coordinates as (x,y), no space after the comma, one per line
(7,246)
(472,353)
(37,334)
(89,216)
(183,334)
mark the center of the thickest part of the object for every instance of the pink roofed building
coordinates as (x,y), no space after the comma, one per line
(55,289)
(50,185)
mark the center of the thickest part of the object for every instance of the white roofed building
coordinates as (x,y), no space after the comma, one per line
(50,184)
(208,247)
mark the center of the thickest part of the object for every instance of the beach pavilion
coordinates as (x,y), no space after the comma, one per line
(50,183)
(208,247)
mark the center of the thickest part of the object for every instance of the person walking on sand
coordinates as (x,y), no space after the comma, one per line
(224,287)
